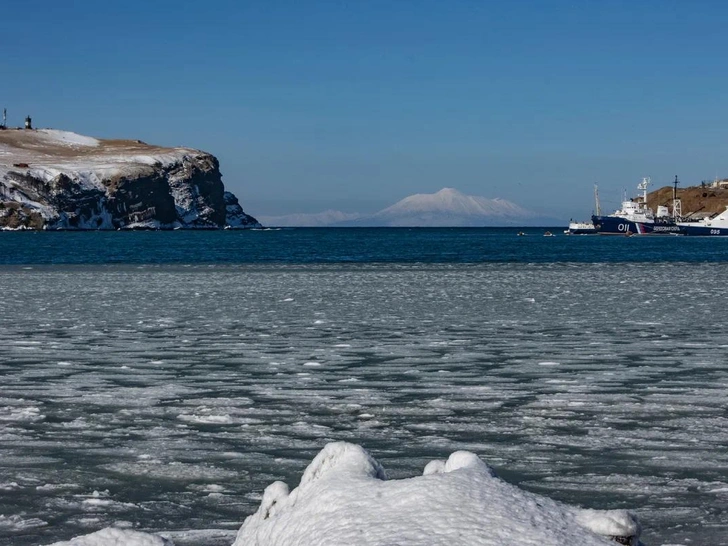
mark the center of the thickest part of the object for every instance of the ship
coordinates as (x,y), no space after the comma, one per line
(580,228)
(636,218)
(712,226)
(583,228)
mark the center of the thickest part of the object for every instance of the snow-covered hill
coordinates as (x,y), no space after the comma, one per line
(52,179)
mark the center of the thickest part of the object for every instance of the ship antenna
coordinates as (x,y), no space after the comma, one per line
(596,200)
(676,203)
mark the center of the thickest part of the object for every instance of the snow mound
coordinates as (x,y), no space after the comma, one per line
(342,458)
(112,536)
(344,498)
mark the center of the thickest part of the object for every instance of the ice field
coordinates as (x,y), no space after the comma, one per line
(167,398)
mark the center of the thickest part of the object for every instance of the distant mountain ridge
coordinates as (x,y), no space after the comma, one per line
(318,219)
(445,208)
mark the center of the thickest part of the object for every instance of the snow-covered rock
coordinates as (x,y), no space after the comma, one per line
(52,179)
(344,498)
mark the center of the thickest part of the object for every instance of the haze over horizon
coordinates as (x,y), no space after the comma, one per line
(327,105)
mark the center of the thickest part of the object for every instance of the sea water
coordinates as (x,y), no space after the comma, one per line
(161,381)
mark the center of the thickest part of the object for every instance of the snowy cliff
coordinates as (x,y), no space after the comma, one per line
(52,179)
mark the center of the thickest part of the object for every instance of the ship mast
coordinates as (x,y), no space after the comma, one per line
(676,203)
(596,200)
(643,186)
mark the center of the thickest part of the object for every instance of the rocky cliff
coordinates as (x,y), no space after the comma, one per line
(53,179)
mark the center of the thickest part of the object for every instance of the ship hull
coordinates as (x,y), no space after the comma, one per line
(615,225)
(582,231)
(705,231)
(580,228)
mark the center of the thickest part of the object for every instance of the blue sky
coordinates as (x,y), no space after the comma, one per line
(355,105)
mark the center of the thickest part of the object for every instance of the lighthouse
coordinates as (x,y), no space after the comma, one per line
(28,122)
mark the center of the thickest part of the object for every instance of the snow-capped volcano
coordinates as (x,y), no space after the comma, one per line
(446,208)
(449,207)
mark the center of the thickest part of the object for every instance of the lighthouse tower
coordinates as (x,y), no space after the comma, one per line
(28,122)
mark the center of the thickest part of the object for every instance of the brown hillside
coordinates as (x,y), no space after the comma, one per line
(698,200)
(26,146)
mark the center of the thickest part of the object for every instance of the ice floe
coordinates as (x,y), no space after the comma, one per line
(112,536)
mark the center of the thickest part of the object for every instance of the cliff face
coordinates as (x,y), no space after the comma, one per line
(58,180)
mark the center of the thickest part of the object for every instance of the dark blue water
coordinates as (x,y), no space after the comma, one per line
(350,245)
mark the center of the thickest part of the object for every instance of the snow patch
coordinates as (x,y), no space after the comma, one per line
(68,138)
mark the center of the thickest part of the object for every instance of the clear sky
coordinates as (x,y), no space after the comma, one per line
(353,105)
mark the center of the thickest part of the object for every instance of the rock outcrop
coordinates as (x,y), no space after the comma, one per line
(53,179)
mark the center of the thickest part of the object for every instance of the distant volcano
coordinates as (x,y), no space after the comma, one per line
(449,207)
(446,208)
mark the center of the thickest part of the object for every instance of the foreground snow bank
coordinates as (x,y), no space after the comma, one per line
(344,498)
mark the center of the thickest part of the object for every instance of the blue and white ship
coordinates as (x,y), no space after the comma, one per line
(635,218)
(713,226)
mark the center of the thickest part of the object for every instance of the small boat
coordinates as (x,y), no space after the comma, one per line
(548,234)
(521,234)
(713,226)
